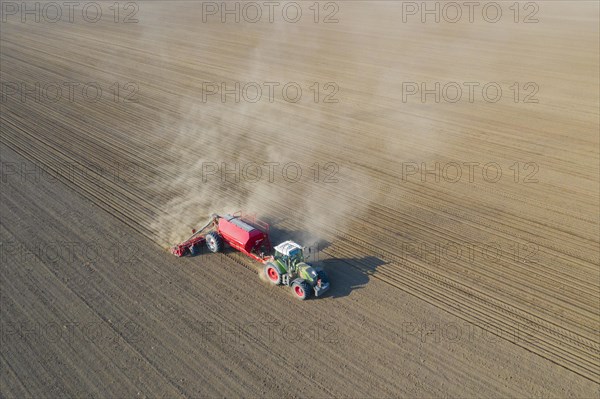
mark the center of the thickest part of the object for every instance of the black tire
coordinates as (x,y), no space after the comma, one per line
(214,242)
(301,289)
(194,250)
(273,274)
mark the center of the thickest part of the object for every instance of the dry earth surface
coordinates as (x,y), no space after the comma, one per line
(461,235)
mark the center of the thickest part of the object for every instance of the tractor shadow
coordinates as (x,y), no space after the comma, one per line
(348,274)
(345,274)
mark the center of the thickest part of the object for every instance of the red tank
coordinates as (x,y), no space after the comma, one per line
(244,235)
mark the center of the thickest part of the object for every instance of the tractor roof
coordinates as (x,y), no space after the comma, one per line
(286,247)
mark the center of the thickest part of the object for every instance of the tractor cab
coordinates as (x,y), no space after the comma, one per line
(289,255)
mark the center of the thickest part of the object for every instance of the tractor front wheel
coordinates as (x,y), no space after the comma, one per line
(214,242)
(301,289)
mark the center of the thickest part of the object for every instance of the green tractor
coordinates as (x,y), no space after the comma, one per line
(287,267)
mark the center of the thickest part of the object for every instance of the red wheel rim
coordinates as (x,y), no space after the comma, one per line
(273,274)
(299,291)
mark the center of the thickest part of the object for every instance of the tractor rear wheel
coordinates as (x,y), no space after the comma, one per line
(273,274)
(214,242)
(301,289)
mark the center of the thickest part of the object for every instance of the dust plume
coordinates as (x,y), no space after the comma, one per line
(214,136)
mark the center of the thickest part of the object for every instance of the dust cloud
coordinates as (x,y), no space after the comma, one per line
(260,157)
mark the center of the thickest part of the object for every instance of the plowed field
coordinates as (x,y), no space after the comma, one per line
(445,175)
